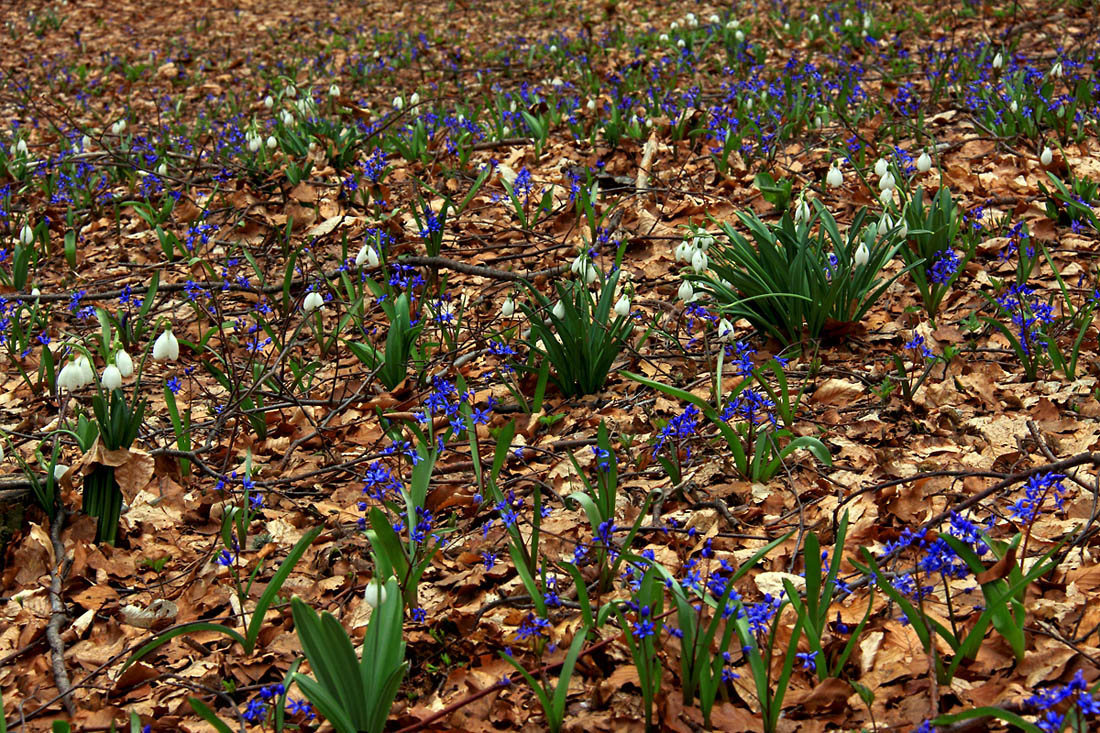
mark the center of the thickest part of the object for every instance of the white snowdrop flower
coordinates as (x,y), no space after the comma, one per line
(553,48)
(162,169)
(288,119)
(26,235)
(166,347)
(415,99)
(124,363)
(558,310)
(815,19)
(739,37)
(271,142)
(686,293)
(1046,156)
(725,330)
(312,302)
(579,264)
(398,103)
(557,82)
(786,27)
(118,127)
(111,379)
(269,101)
(35,292)
(673,25)
(691,20)
(887,183)
(699,261)
(924,162)
(1013,106)
(591,105)
(714,19)
(749,104)
(506,131)
(70,378)
(881,166)
(834,178)
(884,224)
(680,43)
(818,122)
(887,196)
(20,147)
(367,255)
(334,91)
(862,255)
(622,306)
(903,231)
(85,142)
(1056,70)
(87,376)
(683,252)
(508,308)
(254,143)
(802,211)
(998,61)
(375,595)
(734,23)
(866,21)
(847,22)
(663,38)
(59,471)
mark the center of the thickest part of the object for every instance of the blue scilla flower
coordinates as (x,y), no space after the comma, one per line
(1037,491)
(945,266)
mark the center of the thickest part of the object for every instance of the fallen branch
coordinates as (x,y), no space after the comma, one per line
(58,614)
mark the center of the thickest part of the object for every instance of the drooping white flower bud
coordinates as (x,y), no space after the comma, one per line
(699,260)
(59,471)
(312,302)
(376,594)
(998,61)
(288,119)
(1013,106)
(85,142)
(269,101)
(881,166)
(862,255)
(558,310)
(367,256)
(683,252)
(70,378)
(118,127)
(686,293)
(622,306)
(414,99)
(1046,156)
(271,142)
(166,347)
(124,363)
(1056,70)
(87,375)
(334,91)
(834,178)
(725,330)
(26,235)
(884,224)
(254,143)
(111,379)
(886,197)
(292,91)
(398,103)
(162,169)
(887,182)
(924,162)
(508,308)
(21,147)
(802,211)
